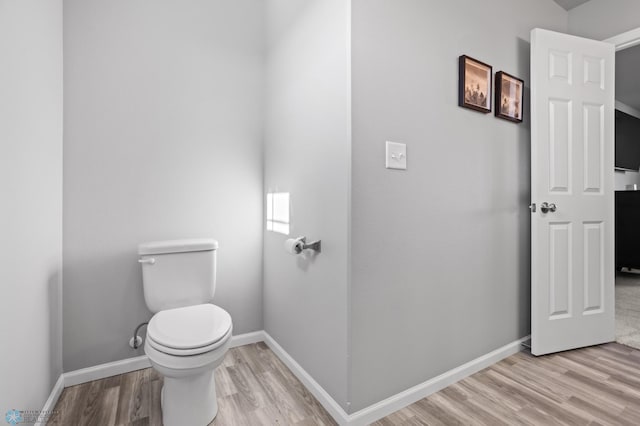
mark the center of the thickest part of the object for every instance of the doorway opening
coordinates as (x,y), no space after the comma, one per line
(627,189)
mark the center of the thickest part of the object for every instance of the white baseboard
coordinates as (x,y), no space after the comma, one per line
(330,404)
(394,403)
(128,365)
(51,402)
(103,371)
(247,339)
(362,417)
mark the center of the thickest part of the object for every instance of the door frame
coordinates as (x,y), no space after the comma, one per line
(625,40)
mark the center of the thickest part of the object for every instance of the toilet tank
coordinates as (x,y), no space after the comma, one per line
(178,273)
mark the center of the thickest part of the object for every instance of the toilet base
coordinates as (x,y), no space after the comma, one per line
(189,400)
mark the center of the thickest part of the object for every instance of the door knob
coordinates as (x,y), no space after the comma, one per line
(547,207)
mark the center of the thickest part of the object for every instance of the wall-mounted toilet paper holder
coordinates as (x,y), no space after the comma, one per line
(296,245)
(314,245)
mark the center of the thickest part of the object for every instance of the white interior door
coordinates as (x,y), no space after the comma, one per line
(572,156)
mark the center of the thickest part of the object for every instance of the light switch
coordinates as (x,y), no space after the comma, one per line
(396,156)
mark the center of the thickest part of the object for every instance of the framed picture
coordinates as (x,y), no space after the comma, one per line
(509,94)
(474,84)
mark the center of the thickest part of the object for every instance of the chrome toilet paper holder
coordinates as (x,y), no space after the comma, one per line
(298,245)
(314,245)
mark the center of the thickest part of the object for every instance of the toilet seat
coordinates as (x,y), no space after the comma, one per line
(189,330)
(188,352)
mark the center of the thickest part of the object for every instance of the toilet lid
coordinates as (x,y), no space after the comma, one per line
(189,327)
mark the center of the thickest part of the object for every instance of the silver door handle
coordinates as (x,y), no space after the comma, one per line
(547,207)
(149,261)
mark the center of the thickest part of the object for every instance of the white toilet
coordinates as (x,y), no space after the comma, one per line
(188,337)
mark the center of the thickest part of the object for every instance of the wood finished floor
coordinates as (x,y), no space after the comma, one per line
(254,388)
(599,385)
(593,386)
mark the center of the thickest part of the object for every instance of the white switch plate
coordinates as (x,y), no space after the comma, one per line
(396,156)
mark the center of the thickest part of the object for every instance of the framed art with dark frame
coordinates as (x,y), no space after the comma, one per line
(474,84)
(509,96)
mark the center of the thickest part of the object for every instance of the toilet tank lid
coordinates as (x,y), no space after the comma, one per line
(178,246)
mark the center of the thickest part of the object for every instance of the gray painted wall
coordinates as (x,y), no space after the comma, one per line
(601,19)
(163,122)
(627,69)
(440,260)
(626,177)
(31,203)
(307,152)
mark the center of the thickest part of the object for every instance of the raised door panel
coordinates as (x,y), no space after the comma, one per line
(593,145)
(560,146)
(594,268)
(560,271)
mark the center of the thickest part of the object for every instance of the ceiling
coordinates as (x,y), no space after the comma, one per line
(570,4)
(627,72)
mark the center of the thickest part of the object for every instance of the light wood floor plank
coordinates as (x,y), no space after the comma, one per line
(92,407)
(290,407)
(68,404)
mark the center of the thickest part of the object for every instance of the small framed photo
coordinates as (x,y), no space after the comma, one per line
(474,84)
(509,95)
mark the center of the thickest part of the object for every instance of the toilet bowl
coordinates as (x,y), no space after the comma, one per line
(185,345)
